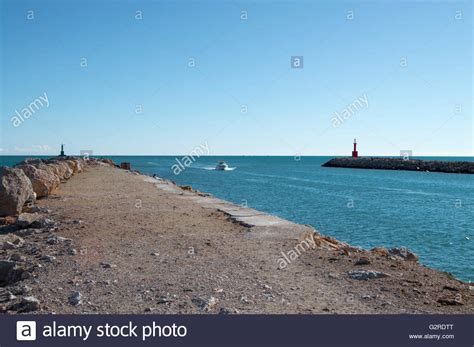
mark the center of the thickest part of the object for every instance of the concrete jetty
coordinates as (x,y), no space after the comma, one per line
(130,243)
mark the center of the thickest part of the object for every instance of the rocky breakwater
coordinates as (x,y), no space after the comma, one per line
(366,265)
(463,167)
(28,235)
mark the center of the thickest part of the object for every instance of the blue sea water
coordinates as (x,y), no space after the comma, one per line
(431,214)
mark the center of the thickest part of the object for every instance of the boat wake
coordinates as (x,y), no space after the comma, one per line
(213,168)
(210,168)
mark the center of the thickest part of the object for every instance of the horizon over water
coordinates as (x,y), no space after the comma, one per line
(431,214)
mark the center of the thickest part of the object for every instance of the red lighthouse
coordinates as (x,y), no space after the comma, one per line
(355,154)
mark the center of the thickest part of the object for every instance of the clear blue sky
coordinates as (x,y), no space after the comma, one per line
(240,63)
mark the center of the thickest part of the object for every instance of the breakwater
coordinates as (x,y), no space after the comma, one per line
(463,167)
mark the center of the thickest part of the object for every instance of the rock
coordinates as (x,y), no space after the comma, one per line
(56,169)
(75,299)
(48,258)
(15,190)
(72,165)
(55,240)
(245,300)
(35,221)
(8,220)
(451,300)
(20,290)
(27,304)
(403,254)
(165,299)
(205,303)
(28,232)
(44,181)
(11,241)
(67,170)
(72,251)
(380,251)
(61,169)
(332,275)
(402,164)
(230,310)
(90,283)
(454,289)
(362,261)
(45,223)
(36,209)
(26,220)
(6,245)
(6,296)
(107,265)
(107,162)
(18,258)
(324,242)
(31,249)
(364,275)
(79,166)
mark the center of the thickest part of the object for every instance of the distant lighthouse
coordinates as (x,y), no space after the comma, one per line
(355,154)
(62,151)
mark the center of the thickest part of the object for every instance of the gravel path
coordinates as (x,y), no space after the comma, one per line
(138,247)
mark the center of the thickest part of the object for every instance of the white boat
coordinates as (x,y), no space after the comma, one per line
(221,165)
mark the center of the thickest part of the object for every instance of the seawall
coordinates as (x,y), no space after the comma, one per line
(462,167)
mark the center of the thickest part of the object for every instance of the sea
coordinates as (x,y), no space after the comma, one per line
(431,214)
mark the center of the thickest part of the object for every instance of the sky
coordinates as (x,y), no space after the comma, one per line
(166,77)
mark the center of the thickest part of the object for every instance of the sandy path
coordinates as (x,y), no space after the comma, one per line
(142,249)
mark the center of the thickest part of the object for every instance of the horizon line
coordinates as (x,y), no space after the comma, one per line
(233,155)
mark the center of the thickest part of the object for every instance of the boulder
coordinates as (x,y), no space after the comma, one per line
(72,165)
(68,172)
(10,272)
(31,161)
(15,190)
(44,180)
(61,169)
(79,165)
(53,167)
